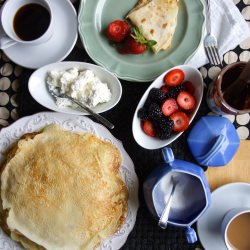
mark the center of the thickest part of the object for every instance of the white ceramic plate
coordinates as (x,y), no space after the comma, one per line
(39,90)
(57,47)
(192,75)
(77,124)
(223,199)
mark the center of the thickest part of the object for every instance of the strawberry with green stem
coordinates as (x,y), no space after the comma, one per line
(136,43)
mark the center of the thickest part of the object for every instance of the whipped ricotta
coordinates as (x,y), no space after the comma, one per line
(82,85)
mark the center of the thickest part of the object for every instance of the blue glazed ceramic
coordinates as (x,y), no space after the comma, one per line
(213,141)
(191,198)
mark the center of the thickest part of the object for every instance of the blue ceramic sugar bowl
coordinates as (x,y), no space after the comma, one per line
(213,141)
(191,197)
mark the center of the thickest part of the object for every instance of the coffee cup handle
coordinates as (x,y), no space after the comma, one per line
(5,41)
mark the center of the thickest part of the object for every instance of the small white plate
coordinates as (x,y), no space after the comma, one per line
(39,91)
(57,47)
(223,199)
(78,124)
(192,75)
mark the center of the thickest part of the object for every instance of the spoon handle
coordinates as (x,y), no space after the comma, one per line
(100,118)
(165,214)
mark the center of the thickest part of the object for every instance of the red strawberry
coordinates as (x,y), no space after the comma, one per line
(164,89)
(118,30)
(174,77)
(181,121)
(169,106)
(185,100)
(189,86)
(136,43)
(148,128)
(131,46)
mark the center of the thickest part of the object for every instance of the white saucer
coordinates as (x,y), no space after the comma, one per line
(59,45)
(223,199)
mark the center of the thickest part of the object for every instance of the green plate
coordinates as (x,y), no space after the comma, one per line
(94,17)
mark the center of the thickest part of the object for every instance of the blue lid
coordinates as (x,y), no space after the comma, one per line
(213,141)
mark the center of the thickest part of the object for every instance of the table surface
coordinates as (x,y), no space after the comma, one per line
(16,102)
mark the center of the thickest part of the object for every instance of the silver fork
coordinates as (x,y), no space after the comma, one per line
(210,42)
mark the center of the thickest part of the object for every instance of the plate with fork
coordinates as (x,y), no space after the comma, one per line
(94,17)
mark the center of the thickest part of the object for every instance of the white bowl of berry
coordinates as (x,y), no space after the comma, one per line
(168,107)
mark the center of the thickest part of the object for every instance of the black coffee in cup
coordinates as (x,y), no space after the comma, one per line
(31,21)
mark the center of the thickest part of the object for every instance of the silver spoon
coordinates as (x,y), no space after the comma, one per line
(56,93)
(165,214)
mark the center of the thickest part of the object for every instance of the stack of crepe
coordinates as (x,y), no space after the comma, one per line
(157,20)
(62,190)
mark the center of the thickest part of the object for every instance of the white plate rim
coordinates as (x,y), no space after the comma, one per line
(212,241)
(75,123)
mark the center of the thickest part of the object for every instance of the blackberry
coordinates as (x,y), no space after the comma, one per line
(163,127)
(143,114)
(156,95)
(163,134)
(154,111)
(147,103)
(170,94)
(173,92)
(165,124)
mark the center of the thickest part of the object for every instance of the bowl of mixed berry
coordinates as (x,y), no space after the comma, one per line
(167,107)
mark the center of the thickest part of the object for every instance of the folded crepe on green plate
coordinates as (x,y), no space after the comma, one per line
(157,20)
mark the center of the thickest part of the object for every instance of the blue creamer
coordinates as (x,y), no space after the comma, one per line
(191,197)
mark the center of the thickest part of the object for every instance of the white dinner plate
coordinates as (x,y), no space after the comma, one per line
(57,47)
(77,124)
(222,200)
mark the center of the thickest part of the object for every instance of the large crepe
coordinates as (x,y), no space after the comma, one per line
(62,190)
(157,20)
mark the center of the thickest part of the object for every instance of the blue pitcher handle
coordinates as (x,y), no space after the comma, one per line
(191,235)
(204,159)
(167,154)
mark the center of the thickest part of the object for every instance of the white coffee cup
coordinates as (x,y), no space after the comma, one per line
(8,36)
(235,229)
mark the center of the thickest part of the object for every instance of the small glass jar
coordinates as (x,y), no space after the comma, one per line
(215,99)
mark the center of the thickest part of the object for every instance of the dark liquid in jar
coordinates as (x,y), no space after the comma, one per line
(228,78)
(31,21)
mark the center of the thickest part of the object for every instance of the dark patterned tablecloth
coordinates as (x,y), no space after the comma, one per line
(16,102)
